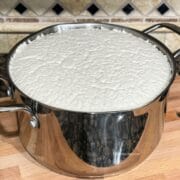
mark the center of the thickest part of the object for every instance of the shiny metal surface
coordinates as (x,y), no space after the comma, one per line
(176,55)
(102,139)
(172,27)
(6,83)
(91,144)
(34,122)
(5,88)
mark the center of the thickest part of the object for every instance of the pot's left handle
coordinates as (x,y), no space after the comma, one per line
(9,91)
(34,121)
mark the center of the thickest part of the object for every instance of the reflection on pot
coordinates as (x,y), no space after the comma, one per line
(102,139)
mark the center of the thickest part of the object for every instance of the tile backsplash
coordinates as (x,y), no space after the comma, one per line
(26,16)
(80,10)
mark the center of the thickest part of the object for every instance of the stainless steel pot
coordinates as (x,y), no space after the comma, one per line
(90,144)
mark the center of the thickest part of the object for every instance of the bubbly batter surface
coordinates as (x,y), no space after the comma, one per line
(90,70)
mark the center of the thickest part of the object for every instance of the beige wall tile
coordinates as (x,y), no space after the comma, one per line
(26,27)
(172,41)
(175,4)
(27,13)
(85,14)
(63,14)
(99,13)
(13,39)
(4,46)
(159,36)
(111,6)
(133,14)
(156,14)
(75,6)
(145,6)
(6,5)
(39,6)
(23,26)
(7,41)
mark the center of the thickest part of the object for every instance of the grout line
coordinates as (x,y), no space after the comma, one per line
(125,19)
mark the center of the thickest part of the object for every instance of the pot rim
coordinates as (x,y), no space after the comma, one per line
(61,27)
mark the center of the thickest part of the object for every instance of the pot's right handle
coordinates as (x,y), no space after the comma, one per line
(176,54)
(173,28)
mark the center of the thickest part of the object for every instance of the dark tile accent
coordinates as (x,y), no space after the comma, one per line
(92,9)
(162,9)
(58,9)
(22,20)
(161,20)
(93,20)
(20,8)
(58,19)
(126,20)
(127,9)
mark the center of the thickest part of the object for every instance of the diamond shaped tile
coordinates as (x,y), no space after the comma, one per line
(92,9)
(6,5)
(162,9)
(86,14)
(26,13)
(61,14)
(39,6)
(75,7)
(121,14)
(110,6)
(20,8)
(156,14)
(127,9)
(145,6)
(175,4)
(58,9)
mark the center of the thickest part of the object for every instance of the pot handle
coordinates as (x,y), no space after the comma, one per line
(176,54)
(173,28)
(34,121)
(9,89)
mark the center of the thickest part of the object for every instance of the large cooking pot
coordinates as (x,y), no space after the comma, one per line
(87,144)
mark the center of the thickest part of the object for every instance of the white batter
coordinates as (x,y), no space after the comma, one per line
(91,70)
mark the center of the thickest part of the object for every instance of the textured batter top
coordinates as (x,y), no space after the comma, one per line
(90,70)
